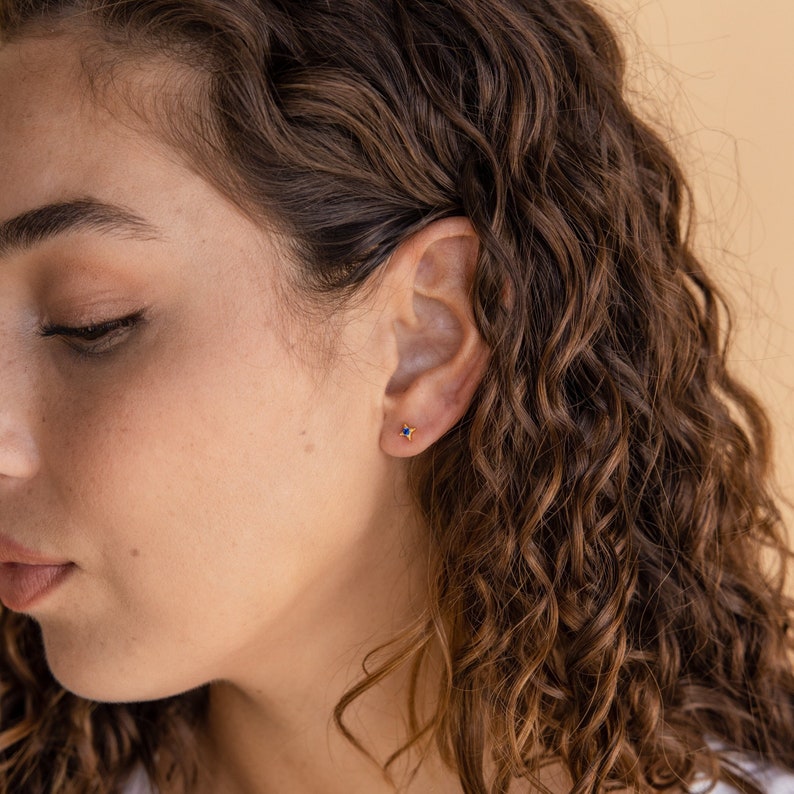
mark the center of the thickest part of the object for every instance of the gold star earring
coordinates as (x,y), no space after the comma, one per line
(407,432)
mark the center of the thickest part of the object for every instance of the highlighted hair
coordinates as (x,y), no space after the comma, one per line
(600,514)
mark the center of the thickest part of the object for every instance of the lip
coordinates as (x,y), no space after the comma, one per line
(22,586)
(27,576)
(11,551)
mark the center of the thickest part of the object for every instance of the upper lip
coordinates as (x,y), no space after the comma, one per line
(11,551)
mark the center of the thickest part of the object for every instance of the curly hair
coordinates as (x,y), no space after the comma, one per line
(603,517)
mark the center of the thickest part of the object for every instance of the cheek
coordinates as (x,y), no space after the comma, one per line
(183,485)
(182,490)
(167,555)
(174,458)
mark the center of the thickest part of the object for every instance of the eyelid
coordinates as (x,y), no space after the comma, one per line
(53,329)
(92,338)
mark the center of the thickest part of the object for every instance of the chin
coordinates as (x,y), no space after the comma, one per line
(97,673)
(106,689)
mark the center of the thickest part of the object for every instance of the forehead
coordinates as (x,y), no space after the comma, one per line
(58,142)
(54,141)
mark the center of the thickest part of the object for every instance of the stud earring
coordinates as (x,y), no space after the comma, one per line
(407,432)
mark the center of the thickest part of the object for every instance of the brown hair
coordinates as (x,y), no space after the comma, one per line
(599,515)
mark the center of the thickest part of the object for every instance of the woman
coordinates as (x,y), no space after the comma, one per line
(365,417)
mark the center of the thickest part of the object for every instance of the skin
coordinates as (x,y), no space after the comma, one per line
(232,497)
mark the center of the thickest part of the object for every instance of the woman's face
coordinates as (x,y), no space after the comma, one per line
(207,471)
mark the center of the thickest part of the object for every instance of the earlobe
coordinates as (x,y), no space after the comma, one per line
(441,355)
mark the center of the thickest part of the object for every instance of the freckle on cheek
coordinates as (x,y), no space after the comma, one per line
(135,553)
(309,448)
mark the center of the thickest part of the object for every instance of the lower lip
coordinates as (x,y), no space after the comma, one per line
(21,586)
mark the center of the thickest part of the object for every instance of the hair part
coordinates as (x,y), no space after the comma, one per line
(599,515)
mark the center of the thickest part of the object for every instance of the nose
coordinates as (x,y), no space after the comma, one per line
(18,453)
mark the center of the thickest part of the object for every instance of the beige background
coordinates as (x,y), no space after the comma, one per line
(722,71)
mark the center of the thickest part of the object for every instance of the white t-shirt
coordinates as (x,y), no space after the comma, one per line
(139,783)
(771,780)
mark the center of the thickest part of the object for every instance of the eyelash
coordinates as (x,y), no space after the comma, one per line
(101,334)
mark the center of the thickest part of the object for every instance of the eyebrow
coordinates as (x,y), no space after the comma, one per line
(35,226)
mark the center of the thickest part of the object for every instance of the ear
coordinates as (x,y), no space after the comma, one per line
(441,356)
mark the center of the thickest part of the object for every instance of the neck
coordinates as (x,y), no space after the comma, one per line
(253,744)
(270,725)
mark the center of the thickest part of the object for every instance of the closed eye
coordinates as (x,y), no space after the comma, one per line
(95,338)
